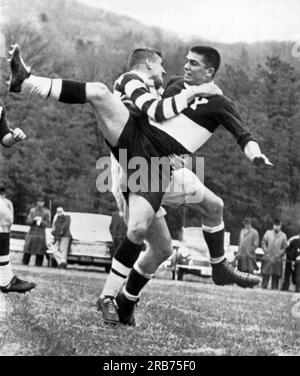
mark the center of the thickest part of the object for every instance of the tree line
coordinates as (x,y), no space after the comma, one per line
(59,157)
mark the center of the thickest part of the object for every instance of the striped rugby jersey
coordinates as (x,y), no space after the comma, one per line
(197,123)
(137,87)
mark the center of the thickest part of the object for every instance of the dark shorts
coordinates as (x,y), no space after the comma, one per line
(4,244)
(141,140)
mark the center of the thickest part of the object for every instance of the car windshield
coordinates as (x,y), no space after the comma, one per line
(90,227)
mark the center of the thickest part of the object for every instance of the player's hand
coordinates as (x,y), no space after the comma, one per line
(262,161)
(131,106)
(18,134)
(176,161)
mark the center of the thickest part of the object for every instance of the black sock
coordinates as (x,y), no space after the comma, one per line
(215,243)
(135,282)
(4,247)
(128,252)
(73,92)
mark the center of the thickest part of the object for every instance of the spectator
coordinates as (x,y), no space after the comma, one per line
(62,237)
(274,244)
(118,230)
(35,242)
(292,265)
(248,242)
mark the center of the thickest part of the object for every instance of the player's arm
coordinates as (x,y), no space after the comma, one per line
(11,207)
(156,108)
(231,119)
(9,136)
(14,136)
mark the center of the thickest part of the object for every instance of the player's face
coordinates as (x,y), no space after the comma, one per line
(195,70)
(157,71)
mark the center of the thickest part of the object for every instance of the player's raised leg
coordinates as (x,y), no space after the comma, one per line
(112,115)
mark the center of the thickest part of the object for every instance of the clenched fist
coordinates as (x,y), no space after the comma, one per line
(18,134)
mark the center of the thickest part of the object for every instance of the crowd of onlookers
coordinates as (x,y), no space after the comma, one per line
(280,261)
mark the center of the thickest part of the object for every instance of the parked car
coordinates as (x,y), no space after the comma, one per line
(91,240)
(192,255)
(17,237)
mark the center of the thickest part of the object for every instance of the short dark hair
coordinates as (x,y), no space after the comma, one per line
(2,188)
(140,55)
(277,222)
(212,57)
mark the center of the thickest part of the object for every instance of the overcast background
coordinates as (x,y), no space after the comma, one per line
(218,20)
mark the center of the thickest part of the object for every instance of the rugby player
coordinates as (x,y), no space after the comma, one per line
(209,205)
(8,281)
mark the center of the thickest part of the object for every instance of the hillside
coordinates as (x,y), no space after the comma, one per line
(68,21)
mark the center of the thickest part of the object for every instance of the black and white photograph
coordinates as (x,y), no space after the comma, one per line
(149,181)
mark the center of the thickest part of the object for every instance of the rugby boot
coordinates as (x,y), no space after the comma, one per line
(18,285)
(225,274)
(126,309)
(19,71)
(108,307)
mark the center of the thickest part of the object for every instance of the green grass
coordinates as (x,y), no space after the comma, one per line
(174,318)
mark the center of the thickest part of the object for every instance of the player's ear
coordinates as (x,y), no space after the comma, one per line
(148,64)
(210,72)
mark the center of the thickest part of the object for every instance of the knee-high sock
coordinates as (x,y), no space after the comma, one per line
(66,91)
(137,280)
(214,237)
(6,273)
(124,259)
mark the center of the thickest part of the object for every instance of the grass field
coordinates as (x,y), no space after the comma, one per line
(173,318)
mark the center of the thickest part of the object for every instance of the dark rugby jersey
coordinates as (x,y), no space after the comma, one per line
(196,124)
(135,86)
(4,130)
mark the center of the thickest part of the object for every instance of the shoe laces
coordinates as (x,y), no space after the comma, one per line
(111,304)
(237,272)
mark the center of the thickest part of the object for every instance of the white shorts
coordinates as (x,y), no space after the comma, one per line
(185,188)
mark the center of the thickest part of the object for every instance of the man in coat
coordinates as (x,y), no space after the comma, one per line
(35,243)
(274,244)
(62,237)
(248,242)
